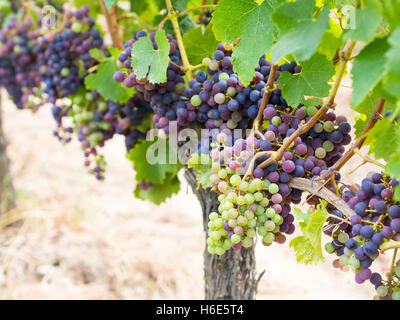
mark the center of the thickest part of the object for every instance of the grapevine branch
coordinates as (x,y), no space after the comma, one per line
(357,145)
(111,19)
(200,19)
(330,103)
(322,192)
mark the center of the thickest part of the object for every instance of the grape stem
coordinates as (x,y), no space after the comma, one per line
(269,88)
(390,277)
(112,24)
(175,24)
(323,193)
(253,160)
(357,145)
(203,11)
(196,8)
(389,245)
(330,103)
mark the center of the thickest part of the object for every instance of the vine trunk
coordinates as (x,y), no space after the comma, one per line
(231,276)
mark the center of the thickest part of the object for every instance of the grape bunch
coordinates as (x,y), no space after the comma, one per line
(356,241)
(165,98)
(64,56)
(18,74)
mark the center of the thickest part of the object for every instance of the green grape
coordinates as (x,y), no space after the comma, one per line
(223,76)
(258,196)
(343,260)
(213,216)
(277,219)
(215,235)
(242,221)
(227,205)
(262,219)
(249,214)
(329,248)
(311,111)
(276,229)
(320,153)
(244,186)
(318,128)
(396,295)
(213,65)
(329,126)
(328,146)
(222,174)
(76,27)
(381,291)
(241,200)
(235,238)
(269,237)
(232,223)
(251,233)
(354,263)
(231,91)
(247,242)
(251,223)
(225,215)
(209,241)
(259,210)
(232,196)
(243,209)
(273,188)
(264,202)
(262,231)
(343,237)
(219,98)
(269,225)
(219,251)
(218,223)
(227,244)
(276,121)
(233,213)
(65,73)
(235,180)
(223,232)
(249,198)
(270,212)
(211,250)
(348,252)
(266,184)
(256,184)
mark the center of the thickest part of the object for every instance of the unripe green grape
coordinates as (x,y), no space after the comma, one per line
(180,88)
(343,260)
(214,179)
(264,202)
(249,198)
(219,98)
(266,184)
(251,223)
(231,124)
(232,196)
(209,241)
(276,229)
(222,174)
(257,184)
(247,242)
(231,91)
(225,215)
(222,186)
(343,237)
(251,233)
(320,153)
(277,219)
(243,209)
(232,223)
(241,200)
(396,295)
(311,111)
(233,213)
(242,221)
(258,196)
(244,186)
(223,76)
(227,244)
(329,248)
(262,231)
(206,61)
(348,252)
(235,180)
(218,223)
(328,146)
(269,237)
(213,65)
(259,210)
(276,121)
(195,100)
(381,291)
(215,235)
(221,197)
(223,232)
(249,214)
(270,213)
(213,215)
(76,27)
(219,251)
(65,73)
(273,188)
(235,238)
(262,219)
(211,250)
(318,128)
(329,126)
(354,263)
(269,225)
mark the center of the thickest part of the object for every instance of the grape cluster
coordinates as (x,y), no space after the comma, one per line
(207,17)
(165,98)
(96,121)
(18,74)
(356,241)
(63,56)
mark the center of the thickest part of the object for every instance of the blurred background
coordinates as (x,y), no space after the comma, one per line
(82,239)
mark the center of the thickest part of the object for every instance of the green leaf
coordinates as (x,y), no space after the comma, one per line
(159,192)
(311,81)
(102,81)
(308,247)
(303,37)
(200,43)
(366,23)
(97,54)
(245,19)
(138,6)
(110,3)
(367,69)
(151,160)
(202,166)
(150,63)
(392,66)
(331,40)
(383,138)
(391,12)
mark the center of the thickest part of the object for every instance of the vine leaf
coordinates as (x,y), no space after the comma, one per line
(300,37)
(367,21)
(331,40)
(160,191)
(308,247)
(367,69)
(245,19)
(391,11)
(202,166)
(110,3)
(149,62)
(311,81)
(151,160)
(392,66)
(100,81)
(200,43)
